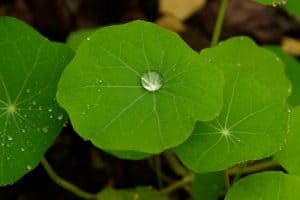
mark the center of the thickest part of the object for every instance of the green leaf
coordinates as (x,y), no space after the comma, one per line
(209,186)
(292,6)
(292,70)
(75,38)
(253,121)
(289,156)
(129,155)
(143,193)
(30,118)
(272,2)
(102,89)
(266,186)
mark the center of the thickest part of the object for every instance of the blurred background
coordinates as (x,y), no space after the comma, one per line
(78,161)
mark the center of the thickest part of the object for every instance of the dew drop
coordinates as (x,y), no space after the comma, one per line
(23,130)
(40,108)
(60,117)
(28,90)
(9,138)
(45,129)
(34,103)
(51,116)
(22,149)
(49,110)
(151,81)
(28,167)
(88,39)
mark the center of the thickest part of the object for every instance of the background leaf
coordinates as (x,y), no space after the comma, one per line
(253,121)
(209,186)
(102,92)
(272,2)
(292,6)
(266,186)
(289,156)
(143,193)
(75,38)
(30,118)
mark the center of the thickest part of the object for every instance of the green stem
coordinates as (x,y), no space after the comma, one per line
(227,180)
(179,184)
(219,23)
(175,164)
(256,167)
(65,184)
(157,167)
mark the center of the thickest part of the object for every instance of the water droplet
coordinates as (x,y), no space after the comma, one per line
(88,39)
(9,138)
(23,130)
(22,149)
(45,129)
(60,117)
(28,90)
(49,110)
(2,144)
(28,167)
(51,116)
(152,81)
(8,158)
(40,108)
(34,103)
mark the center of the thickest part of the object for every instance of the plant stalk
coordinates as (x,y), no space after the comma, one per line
(219,23)
(65,184)
(179,184)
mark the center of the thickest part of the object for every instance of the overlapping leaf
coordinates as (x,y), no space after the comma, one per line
(266,186)
(289,156)
(292,70)
(30,118)
(102,92)
(253,121)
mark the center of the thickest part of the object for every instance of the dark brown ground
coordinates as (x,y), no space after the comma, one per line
(78,161)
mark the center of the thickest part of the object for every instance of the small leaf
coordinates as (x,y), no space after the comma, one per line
(266,186)
(292,6)
(289,156)
(209,186)
(143,193)
(253,121)
(138,87)
(30,118)
(272,2)
(292,70)
(75,38)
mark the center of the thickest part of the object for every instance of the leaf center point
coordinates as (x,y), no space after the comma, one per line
(11,108)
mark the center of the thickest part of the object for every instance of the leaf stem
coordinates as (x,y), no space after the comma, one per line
(255,168)
(157,167)
(227,180)
(219,23)
(175,164)
(179,184)
(65,184)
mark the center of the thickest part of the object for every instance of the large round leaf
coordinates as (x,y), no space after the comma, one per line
(138,87)
(253,121)
(30,118)
(289,156)
(292,70)
(266,186)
